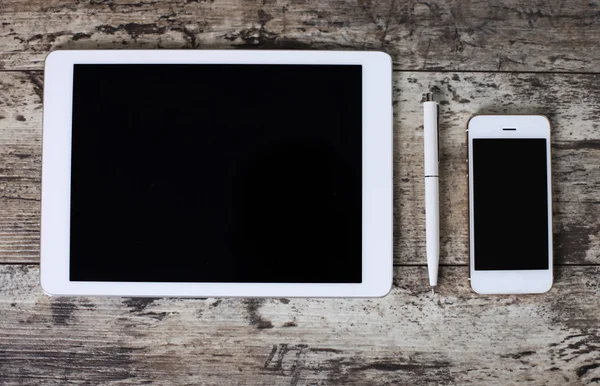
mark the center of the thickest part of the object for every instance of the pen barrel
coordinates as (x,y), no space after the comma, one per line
(432,227)
(430,137)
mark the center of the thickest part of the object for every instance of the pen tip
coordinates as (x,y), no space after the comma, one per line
(429,97)
(433,290)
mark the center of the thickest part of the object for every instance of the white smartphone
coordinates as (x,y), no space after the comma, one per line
(510,204)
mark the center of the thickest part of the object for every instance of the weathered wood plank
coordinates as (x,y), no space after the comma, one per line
(408,337)
(20,165)
(571,102)
(457,35)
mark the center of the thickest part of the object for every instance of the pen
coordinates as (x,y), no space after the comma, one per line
(432,199)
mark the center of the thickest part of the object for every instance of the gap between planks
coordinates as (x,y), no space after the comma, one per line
(395,264)
(422,71)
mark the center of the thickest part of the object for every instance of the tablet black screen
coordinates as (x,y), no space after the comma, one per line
(216,173)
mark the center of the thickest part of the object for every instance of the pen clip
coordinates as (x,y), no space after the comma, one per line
(437,108)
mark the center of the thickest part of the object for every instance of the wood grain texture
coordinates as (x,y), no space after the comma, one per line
(570,101)
(450,35)
(408,337)
(20,165)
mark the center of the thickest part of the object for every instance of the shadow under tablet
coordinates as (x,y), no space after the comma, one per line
(172,183)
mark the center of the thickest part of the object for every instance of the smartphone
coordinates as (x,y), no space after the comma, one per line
(510,204)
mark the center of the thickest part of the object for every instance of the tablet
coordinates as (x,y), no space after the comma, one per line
(217,173)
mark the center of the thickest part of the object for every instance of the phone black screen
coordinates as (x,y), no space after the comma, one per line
(217,173)
(510,189)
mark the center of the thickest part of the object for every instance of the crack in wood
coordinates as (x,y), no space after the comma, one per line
(252,307)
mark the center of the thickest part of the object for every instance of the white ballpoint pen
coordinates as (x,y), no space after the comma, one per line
(432,198)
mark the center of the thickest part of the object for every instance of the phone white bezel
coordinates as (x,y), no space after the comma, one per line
(508,281)
(377,174)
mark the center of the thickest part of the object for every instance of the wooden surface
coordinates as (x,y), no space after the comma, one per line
(409,337)
(441,35)
(538,57)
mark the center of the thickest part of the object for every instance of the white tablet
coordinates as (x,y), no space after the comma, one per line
(217,173)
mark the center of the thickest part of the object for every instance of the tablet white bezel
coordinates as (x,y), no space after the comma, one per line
(376,184)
